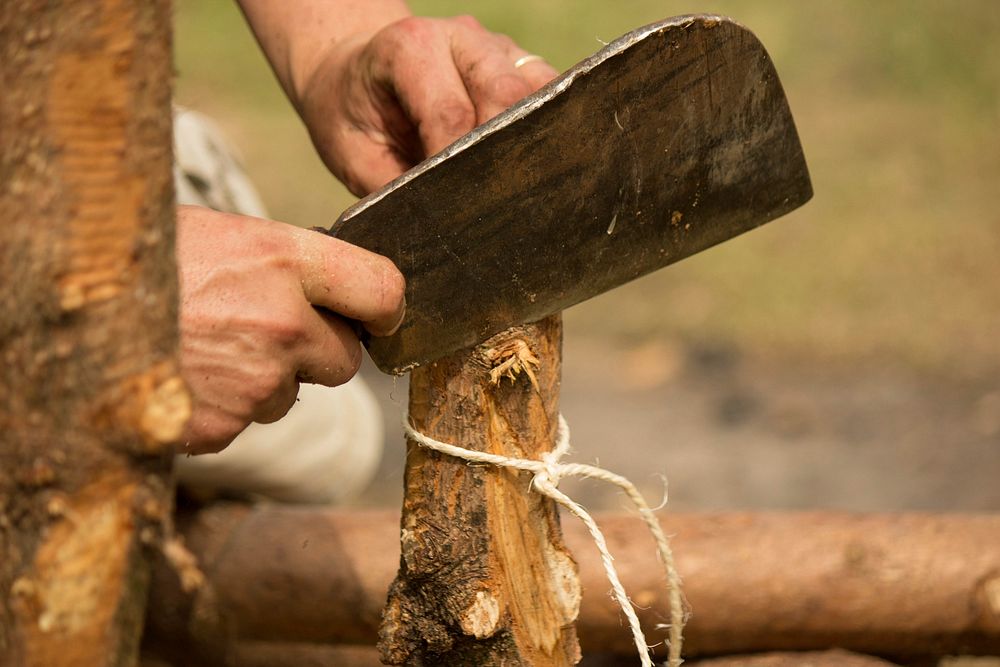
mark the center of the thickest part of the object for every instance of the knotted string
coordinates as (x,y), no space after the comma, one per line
(547,473)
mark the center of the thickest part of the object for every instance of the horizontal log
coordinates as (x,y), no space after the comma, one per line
(831,658)
(889,584)
(269,654)
(901,584)
(265,654)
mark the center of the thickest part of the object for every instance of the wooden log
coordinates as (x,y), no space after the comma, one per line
(907,584)
(90,393)
(484,576)
(283,654)
(833,658)
(264,654)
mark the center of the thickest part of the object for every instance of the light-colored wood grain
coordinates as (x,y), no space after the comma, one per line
(485,578)
(90,395)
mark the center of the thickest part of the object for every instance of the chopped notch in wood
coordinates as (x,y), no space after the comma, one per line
(509,359)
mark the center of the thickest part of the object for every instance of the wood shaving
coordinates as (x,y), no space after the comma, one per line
(510,360)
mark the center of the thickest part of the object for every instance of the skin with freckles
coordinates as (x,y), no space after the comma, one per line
(266,305)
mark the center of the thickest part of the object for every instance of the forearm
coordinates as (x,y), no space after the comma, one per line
(297,35)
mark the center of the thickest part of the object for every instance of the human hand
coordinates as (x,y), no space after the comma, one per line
(379,103)
(262,307)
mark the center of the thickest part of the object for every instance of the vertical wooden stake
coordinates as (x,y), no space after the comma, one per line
(484,576)
(90,394)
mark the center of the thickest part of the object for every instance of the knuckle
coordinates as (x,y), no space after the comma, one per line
(456,116)
(283,401)
(211,446)
(408,29)
(505,41)
(279,247)
(219,436)
(288,329)
(468,21)
(508,88)
(391,289)
(270,378)
(213,443)
(352,362)
(354,182)
(277,327)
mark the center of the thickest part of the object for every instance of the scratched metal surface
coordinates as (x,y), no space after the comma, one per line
(671,139)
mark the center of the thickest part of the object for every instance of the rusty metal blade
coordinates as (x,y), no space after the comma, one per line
(671,139)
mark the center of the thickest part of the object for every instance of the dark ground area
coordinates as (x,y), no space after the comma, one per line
(732,431)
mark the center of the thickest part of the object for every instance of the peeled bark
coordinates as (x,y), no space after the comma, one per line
(90,394)
(484,576)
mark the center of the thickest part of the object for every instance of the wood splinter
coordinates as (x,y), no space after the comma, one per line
(484,578)
(509,359)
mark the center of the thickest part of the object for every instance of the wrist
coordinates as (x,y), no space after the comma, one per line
(298,35)
(324,70)
(329,47)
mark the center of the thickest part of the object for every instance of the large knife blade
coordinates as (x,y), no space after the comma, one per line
(671,139)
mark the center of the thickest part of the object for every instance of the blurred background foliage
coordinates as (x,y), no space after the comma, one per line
(896,260)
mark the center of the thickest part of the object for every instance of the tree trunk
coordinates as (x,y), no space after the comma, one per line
(90,393)
(484,576)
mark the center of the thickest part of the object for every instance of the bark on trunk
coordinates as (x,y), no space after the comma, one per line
(90,395)
(484,576)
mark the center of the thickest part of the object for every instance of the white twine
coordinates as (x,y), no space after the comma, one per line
(548,472)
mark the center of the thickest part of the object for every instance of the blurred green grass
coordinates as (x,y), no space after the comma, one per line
(896,260)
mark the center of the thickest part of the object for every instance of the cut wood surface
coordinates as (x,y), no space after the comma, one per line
(90,395)
(484,577)
(907,584)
